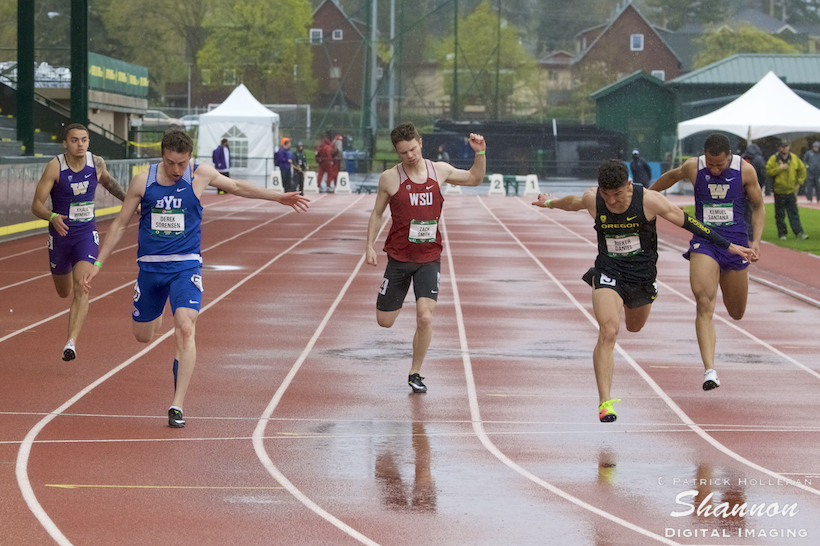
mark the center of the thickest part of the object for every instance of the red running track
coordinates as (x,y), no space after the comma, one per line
(301,428)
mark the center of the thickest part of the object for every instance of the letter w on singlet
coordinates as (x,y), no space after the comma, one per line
(718,191)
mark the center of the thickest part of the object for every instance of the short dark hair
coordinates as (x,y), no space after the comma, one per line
(612,174)
(717,144)
(403,133)
(71,126)
(224,141)
(177,141)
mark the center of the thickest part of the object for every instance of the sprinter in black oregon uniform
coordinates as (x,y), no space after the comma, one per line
(623,279)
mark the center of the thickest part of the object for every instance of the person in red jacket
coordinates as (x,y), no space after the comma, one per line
(324,157)
(413,190)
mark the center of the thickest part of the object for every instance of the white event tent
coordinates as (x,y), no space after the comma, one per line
(252,132)
(768,108)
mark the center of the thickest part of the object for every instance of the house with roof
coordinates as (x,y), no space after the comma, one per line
(628,42)
(339,55)
(684,39)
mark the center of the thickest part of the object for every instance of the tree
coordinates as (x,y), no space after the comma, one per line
(479,83)
(722,43)
(266,43)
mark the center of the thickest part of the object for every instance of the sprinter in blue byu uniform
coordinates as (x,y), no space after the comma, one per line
(169,247)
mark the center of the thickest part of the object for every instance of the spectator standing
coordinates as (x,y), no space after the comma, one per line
(299,167)
(441,154)
(222,160)
(787,172)
(812,160)
(641,172)
(754,157)
(284,160)
(324,156)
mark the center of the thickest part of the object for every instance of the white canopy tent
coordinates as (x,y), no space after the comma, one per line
(252,132)
(768,108)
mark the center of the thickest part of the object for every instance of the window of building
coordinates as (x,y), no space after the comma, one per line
(379,72)
(229,77)
(205,76)
(238,144)
(315,36)
(335,72)
(636,42)
(337,34)
(660,74)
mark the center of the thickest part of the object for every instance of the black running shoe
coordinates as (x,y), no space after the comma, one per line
(175,419)
(415,383)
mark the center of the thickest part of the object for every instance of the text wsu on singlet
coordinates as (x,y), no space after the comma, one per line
(73,195)
(627,242)
(170,224)
(720,201)
(416,210)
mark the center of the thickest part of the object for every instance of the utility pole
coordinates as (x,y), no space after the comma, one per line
(392,83)
(454,105)
(25,74)
(498,64)
(79,61)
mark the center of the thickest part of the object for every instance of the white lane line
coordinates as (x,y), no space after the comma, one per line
(686,298)
(131,283)
(121,249)
(651,382)
(21,466)
(478,425)
(259,432)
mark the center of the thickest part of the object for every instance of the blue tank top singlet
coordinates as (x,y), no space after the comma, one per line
(73,196)
(720,201)
(170,225)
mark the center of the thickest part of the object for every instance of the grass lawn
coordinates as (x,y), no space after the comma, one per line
(810,219)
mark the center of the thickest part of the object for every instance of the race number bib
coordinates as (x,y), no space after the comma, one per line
(82,211)
(168,222)
(623,245)
(423,231)
(719,214)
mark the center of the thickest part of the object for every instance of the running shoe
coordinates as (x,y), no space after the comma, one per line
(605,411)
(803,236)
(415,383)
(175,419)
(69,351)
(710,380)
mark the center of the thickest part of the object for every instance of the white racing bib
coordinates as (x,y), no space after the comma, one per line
(168,222)
(423,231)
(82,211)
(718,214)
(623,245)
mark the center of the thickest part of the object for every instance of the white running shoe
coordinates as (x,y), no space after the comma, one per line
(710,380)
(69,352)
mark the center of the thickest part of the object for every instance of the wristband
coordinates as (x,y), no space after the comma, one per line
(98,264)
(53,214)
(548,203)
(482,152)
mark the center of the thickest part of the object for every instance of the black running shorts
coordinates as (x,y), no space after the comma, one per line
(397,279)
(634,294)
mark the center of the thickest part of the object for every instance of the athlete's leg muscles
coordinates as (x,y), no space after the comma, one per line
(735,288)
(79,304)
(386,318)
(424,331)
(607,306)
(63,284)
(184,332)
(704,275)
(635,319)
(144,331)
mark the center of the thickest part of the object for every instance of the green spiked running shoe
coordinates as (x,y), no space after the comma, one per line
(605,412)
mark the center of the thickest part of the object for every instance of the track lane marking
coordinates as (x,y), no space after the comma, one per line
(635,366)
(478,425)
(23,454)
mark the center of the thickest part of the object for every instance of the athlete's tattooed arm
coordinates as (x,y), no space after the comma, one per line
(108,182)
